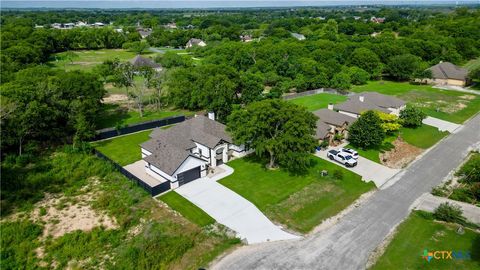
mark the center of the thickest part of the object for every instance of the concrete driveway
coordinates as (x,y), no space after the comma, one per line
(232,210)
(442,125)
(369,170)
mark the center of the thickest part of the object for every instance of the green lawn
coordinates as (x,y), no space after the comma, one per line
(87,59)
(448,105)
(187,209)
(299,201)
(374,153)
(423,137)
(114,115)
(318,101)
(125,149)
(420,232)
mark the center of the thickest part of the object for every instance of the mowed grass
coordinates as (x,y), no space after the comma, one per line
(420,232)
(448,105)
(125,149)
(423,137)
(87,59)
(301,202)
(373,154)
(187,209)
(318,101)
(113,117)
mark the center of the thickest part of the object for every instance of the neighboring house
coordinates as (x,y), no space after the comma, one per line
(331,123)
(81,24)
(171,25)
(68,25)
(446,73)
(190,26)
(144,33)
(98,24)
(377,20)
(365,101)
(186,151)
(195,42)
(298,36)
(139,61)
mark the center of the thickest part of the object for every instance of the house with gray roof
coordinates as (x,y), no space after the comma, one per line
(186,151)
(195,42)
(446,73)
(365,101)
(298,36)
(331,123)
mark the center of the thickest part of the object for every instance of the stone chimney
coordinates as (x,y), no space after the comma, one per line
(361,98)
(211,115)
(330,106)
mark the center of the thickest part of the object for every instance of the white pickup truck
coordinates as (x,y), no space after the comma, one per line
(342,157)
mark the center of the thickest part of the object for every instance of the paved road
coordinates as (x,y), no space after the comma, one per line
(348,244)
(369,170)
(231,209)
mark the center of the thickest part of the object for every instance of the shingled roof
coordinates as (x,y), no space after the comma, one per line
(447,70)
(170,147)
(322,130)
(334,118)
(371,101)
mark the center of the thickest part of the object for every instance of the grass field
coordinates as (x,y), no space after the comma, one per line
(423,137)
(318,101)
(299,201)
(187,209)
(374,153)
(87,59)
(444,104)
(113,116)
(125,149)
(420,232)
(472,64)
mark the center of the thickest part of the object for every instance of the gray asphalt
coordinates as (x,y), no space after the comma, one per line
(348,244)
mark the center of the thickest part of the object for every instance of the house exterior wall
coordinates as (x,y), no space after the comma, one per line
(188,164)
(349,114)
(205,151)
(145,152)
(447,82)
(157,173)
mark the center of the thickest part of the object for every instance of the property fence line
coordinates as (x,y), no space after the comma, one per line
(108,133)
(314,92)
(155,190)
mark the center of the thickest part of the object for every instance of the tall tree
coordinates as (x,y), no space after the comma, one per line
(367,131)
(278,130)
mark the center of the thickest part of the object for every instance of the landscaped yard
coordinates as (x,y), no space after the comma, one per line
(318,101)
(87,59)
(420,232)
(125,149)
(423,137)
(187,209)
(299,201)
(114,115)
(374,153)
(448,105)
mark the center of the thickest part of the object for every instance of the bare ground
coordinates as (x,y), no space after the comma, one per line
(401,155)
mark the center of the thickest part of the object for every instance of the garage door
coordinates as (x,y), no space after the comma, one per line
(188,176)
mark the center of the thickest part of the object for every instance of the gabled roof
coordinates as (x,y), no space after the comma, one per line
(354,105)
(381,100)
(139,61)
(333,118)
(170,147)
(298,36)
(194,41)
(447,70)
(323,129)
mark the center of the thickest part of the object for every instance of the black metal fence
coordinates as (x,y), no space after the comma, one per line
(155,190)
(314,92)
(107,133)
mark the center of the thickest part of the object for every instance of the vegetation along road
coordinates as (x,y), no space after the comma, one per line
(348,244)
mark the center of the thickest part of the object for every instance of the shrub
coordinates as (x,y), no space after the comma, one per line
(439,191)
(367,131)
(449,213)
(470,171)
(338,174)
(412,117)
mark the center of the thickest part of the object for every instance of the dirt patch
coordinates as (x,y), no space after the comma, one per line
(85,63)
(115,98)
(401,155)
(467,97)
(452,108)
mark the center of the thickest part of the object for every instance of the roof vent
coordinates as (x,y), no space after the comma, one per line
(361,98)
(211,115)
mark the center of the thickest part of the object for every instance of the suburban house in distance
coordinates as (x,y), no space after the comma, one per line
(195,42)
(139,61)
(446,73)
(187,151)
(365,101)
(331,123)
(298,36)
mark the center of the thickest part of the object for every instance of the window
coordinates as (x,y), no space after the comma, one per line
(200,151)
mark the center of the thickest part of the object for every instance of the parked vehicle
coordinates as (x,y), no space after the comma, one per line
(350,151)
(342,157)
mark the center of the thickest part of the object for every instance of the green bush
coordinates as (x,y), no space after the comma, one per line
(412,117)
(449,213)
(470,171)
(338,174)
